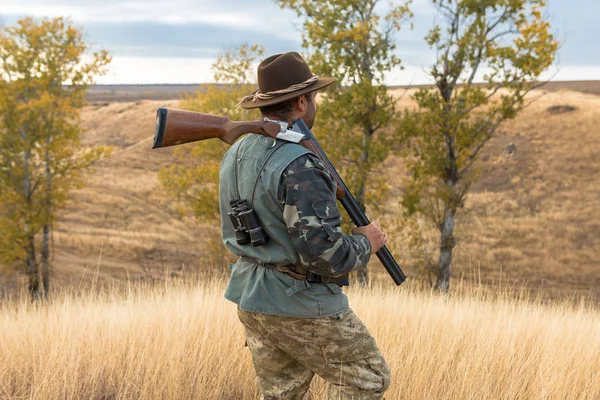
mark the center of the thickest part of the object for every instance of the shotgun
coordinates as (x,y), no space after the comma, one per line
(175,127)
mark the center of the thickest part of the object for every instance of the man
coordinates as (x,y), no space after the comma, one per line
(296,317)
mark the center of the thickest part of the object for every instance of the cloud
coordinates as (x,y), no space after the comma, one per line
(143,70)
(183,36)
(177,28)
(173,70)
(573,73)
(262,16)
(151,39)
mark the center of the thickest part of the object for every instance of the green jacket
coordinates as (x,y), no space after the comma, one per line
(294,198)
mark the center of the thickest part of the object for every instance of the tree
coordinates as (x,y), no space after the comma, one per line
(194,178)
(45,70)
(507,44)
(349,40)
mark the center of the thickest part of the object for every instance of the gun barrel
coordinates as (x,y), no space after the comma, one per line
(351,205)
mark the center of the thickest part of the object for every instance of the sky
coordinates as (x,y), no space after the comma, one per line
(177,41)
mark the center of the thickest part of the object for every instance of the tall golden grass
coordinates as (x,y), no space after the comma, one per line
(183,341)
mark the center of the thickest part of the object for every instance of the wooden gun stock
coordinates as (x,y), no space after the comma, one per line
(175,127)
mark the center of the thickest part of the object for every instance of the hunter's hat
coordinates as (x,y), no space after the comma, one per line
(282,77)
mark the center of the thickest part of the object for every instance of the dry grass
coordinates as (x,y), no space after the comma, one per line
(183,341)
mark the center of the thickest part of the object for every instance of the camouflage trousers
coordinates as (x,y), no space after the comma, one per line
(287,352)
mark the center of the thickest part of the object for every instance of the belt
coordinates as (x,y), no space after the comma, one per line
(298,272)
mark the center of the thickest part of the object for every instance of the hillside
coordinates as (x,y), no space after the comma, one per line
(533,218)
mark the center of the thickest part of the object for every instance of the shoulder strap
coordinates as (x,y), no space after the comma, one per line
(264,164)
(235,166)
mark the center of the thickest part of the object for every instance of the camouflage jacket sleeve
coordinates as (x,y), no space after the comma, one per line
(313,219)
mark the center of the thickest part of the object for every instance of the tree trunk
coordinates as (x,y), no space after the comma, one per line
(31,265)
(447,244)
(361,272)
(446,227)
(32,270)
(46,229)
(46,260)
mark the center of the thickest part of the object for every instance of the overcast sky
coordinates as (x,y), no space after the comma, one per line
(176,41)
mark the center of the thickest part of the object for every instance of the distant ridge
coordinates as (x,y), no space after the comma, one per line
(174,91)
(137,92)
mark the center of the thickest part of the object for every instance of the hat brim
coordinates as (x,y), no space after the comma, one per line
(319,84)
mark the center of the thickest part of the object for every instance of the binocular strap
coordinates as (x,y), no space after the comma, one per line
(259,171)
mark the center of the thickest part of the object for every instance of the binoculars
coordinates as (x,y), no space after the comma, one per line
(246,224)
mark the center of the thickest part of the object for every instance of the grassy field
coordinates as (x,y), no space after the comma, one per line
(183,341)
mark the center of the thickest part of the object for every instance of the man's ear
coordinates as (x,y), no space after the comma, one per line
(302,103)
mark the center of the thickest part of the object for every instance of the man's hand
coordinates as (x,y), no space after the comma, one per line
(375,235)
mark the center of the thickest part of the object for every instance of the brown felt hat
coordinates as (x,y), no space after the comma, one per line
(282,77)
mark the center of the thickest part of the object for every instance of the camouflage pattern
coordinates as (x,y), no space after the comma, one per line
(314,220)
(287,352)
